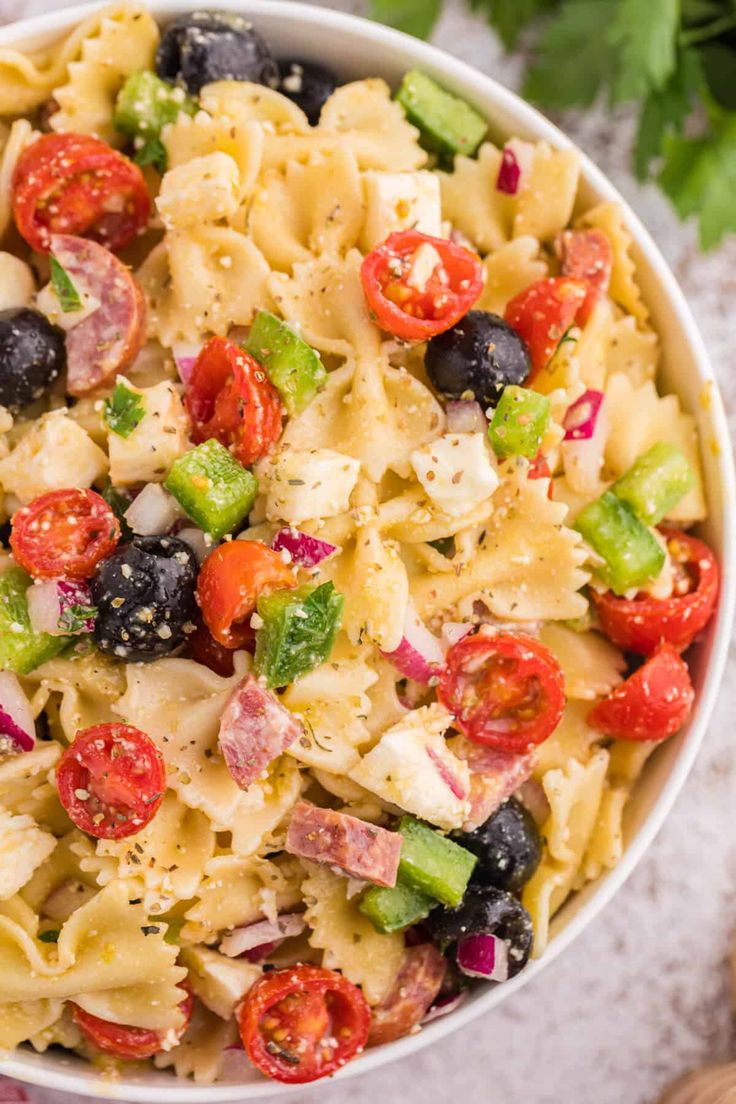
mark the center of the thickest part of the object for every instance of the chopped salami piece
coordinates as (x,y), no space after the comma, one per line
(362,850)
(108,340)
(416,987)
(494,776)
(254,730)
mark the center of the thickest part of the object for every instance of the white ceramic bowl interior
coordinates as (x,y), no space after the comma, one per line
(356,48)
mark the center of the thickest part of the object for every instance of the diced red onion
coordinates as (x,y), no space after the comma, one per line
(245,939)
(197,541)
(581,417)
(304,550)
(153,512)
(456,785)
(444,1006)
(185,357)
(419,653)
(12,1093)
(585,441)
(483,956)
(452,631)
(17,730)
(257,954)
(465,416)
(516,159)
(49,600)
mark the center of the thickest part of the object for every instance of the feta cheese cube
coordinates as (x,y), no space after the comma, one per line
(161,436)
(400,201)
(23,847)
(55,453)
(456,471)
(219,982)
(310,483)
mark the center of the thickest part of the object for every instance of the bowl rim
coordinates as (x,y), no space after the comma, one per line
(421,54)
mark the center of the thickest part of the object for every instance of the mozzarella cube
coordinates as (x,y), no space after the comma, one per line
(54,454)
(218,981)
(457,471)
(23,847)
(201,190)
(411,766)
(16,282)
(310,483)
(160,438)
(400,201)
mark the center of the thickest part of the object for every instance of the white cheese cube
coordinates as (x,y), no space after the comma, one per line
(456,471)
(55,453)
(161,436)
(16,282)
(23,847)
(400,201)
(201,190)
(310,483)
(218,981)
(411,766)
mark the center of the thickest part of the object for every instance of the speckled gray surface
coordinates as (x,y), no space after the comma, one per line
(642,995)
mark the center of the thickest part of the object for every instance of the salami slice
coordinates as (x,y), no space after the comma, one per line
(254,730)
(416,987)
(108,340)
(362,850)
(495,776)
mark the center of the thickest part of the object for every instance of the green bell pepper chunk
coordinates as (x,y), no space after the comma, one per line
(22,649)
(447,124)
(145,104)
(298,631)
(293,367)
(519,422)
(391,910)
(434,864)
(655,482)
(632,554)
(213,488)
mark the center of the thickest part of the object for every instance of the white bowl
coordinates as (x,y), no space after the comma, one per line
(356,48)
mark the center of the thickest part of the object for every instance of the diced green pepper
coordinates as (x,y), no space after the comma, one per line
(632,555)
(293,367)
(145,104)
(447,124)
(433,863)
(298,631)
(519,422)
(21,649)
(655,482)
(212,488)
(391,910)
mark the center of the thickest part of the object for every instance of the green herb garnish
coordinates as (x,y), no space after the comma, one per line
(75,617)
(123,410)
(151,152)
(50,936)
(65,290)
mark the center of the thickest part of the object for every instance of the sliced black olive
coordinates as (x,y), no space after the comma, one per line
(477,358)
(32,354)
(144,594)
(487,911)
(309,85)
(508,846)
(206,46)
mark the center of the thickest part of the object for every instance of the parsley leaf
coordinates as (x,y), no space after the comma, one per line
(66,292)
(123,410)
(511,17)
(151,152)
(665,110)
(75,617)
(699,176)
(49,936)
(644,36)
(573,57)
(415,17)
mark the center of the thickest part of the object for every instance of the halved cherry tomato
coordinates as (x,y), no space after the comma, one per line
(64,533)
(302,1023)
(540,469)
(641,624)
(122,1040)
(506,690)
(76,184)
(651,704)
(230,397)
(413,302)
(111,780)
(542,314)
(230,582)
(586,255)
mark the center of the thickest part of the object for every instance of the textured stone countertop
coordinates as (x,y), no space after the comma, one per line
(642,995)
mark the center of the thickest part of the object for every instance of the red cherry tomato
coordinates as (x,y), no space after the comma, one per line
(302,1023)
(111,780)
(651,704)
(540,469)
(123,1041)
(64,534)
(230,397)
(543,313)
(77,184)
(230,582)
(506,690)
(641,624)
(416,305)
(586,255)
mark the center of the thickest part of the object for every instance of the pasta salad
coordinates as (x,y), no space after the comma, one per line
(346,569)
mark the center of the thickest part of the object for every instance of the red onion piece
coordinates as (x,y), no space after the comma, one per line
(484,956)
(457,786)
(49,601)
(197,541)
(262,932)
(153,512)
(581,417)
(185,357)
(509,173)
(17,730)
(444,1006)
(304,550)
(419,653)
(465,416)
(258,954)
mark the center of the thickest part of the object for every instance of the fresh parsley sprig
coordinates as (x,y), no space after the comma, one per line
(61,282)
(676,59)
(123,410)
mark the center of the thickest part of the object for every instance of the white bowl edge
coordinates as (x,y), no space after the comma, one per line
(314,31)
